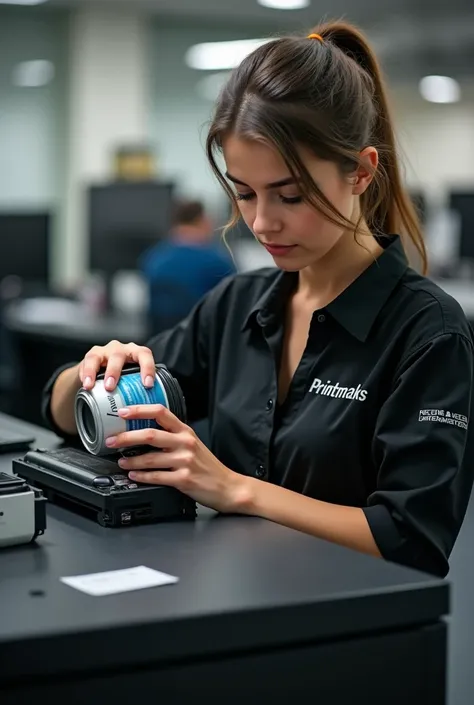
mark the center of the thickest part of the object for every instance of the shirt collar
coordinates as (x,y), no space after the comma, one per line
(272,302)
(357,307)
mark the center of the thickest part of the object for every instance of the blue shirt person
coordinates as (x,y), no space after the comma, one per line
(185,267)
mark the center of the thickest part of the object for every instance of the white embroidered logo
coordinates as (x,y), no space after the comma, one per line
(442,416)
(329,389)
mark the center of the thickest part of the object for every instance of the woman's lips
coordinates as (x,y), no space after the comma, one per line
(278,250)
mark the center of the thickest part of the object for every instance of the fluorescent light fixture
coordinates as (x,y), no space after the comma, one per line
(22,2)
(221,56)
(440,89)
(285,4)
(33,74)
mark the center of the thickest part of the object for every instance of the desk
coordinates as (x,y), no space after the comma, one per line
(259,609)
(78,327)
(41,346)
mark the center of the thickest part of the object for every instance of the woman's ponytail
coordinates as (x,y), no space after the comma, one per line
(386,205)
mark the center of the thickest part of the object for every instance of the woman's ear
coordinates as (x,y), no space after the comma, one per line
(363,175)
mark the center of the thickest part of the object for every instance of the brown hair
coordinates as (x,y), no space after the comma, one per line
(327,95)
(187,212)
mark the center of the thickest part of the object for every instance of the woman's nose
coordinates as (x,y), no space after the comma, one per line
(266,221)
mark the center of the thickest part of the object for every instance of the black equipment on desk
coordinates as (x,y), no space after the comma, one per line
(98,487)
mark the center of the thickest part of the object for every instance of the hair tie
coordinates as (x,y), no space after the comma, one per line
(315,36)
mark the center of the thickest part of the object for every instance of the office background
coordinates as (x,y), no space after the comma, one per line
(79,81)
(118,74)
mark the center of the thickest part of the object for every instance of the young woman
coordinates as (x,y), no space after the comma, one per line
(338,384)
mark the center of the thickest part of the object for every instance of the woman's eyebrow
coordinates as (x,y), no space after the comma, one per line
(275,184)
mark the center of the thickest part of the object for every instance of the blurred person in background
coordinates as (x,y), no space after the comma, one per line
(183,268)
(338,384)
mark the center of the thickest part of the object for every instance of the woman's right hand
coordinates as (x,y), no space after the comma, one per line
(113,357)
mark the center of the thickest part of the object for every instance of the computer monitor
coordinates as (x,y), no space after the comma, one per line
(124,220)
(462,202)
(25,246)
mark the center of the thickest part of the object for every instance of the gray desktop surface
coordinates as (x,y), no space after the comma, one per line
(85,328)
(244,584)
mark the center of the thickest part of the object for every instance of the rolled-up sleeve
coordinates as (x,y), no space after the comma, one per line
(423,450)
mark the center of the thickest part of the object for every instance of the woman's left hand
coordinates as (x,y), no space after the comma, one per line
(182,460)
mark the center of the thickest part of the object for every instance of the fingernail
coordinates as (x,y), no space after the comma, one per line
(87,382)
(110,382)
(149,381)
(132,475)
(122,462)
(124,412)
(110,441)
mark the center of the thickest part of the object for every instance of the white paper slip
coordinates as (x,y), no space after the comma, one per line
(115,581)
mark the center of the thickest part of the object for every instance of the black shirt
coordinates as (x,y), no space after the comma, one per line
(376,416)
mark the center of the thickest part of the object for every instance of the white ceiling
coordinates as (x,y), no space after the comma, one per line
(412,36)
(249,11)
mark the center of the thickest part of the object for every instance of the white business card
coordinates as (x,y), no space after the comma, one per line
(113,582)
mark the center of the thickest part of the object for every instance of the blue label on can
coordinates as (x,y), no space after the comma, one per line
(133,391)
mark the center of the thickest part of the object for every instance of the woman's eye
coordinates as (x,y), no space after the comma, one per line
(284,199)
(291,199)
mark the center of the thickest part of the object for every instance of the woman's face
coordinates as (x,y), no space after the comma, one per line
(296,234)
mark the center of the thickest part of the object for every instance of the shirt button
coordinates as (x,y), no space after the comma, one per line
(321,318)
(260,471)
(269,406)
